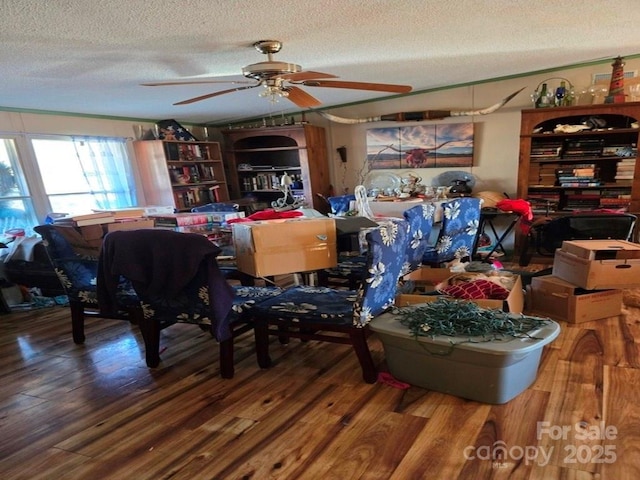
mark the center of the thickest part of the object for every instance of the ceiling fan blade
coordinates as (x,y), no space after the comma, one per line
(379,87)
(299,76)
(301,98)
(192,82)
(214,94)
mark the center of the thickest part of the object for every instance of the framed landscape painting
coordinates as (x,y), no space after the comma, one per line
(421,146)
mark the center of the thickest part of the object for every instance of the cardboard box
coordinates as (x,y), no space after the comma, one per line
(277,247)
(431,279)
(598,264)
(92,232)
(551,296)
(131,224)
(602,249)
(490,372)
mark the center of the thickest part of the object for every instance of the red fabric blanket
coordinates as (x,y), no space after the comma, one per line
(522,208)
(267,214)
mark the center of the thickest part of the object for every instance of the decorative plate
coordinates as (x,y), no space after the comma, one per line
(387,183)
(446,179)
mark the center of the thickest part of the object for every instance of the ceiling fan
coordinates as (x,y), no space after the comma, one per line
(280,79)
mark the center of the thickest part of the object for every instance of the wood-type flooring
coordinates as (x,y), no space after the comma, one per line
(97,412)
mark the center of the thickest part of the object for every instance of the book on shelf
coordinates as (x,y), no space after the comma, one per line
(580,184)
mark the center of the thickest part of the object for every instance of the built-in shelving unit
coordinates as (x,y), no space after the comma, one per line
(258,157)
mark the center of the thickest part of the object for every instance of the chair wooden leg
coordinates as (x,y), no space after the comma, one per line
(283,338)
(359,340)
(226,358)
(525,255)
(261,334)
(77,322)
(150,329)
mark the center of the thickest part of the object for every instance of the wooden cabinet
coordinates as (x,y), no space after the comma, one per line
(258,157)
(561,173)
(181,174)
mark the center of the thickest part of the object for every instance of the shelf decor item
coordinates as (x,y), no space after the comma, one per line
(172,130)
(616,86)
(545,95)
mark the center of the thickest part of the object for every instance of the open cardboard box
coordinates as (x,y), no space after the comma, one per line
(431,279)
(598,264)
(551,296)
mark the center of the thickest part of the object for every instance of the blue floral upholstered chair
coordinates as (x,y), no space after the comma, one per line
(420,219)
(351,269)
(75,262)
(333,315)
(77,265)
(458,233)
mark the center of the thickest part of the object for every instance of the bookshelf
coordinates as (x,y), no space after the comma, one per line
(564,172)
(181,174)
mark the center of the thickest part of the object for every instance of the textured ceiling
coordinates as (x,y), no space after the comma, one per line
(87,57)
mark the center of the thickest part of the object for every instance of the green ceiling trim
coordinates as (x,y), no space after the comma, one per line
(362,102)
(439,89)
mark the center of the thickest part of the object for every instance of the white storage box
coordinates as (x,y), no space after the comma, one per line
(490,372)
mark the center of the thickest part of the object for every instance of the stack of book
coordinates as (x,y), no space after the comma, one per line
(625,169)
(86,219)
(584,148)
(546,150)
(543,201)
(579,175)
(129,218)
(543,174)
(616,199)
(582,200)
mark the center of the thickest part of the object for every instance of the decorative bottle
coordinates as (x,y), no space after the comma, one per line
(561,94)
(543,99)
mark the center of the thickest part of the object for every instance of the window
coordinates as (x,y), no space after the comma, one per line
(16,207)
(82,173)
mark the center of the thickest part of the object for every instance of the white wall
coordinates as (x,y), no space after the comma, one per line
(496,143)
(496,135)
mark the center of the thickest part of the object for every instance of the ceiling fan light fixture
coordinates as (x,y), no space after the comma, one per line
(273,92)
(272,75)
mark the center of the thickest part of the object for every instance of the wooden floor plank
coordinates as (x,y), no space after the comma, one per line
(620,430)
(96,410)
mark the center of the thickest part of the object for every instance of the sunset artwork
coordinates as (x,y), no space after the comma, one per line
(421,146)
